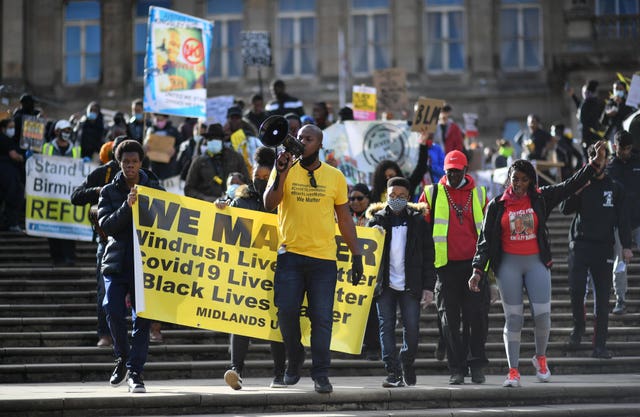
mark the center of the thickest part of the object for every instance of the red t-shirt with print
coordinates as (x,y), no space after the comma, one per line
(519,226)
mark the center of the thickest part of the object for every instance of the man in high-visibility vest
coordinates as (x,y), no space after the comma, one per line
(456,209)
(62,144)
(62,251)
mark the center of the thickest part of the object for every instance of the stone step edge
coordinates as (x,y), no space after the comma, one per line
(304,399)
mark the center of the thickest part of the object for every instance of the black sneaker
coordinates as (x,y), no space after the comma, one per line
(119,373)
(456,379)
(292,374)
(322,385)
(233,379)
(393,381)
(601,353)
(278,382)
(574,338)
(477,376)
(409,374)
(136,385)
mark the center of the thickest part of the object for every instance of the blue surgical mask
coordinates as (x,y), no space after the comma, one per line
(11,131)
(620,93)
(138,116)
(397,204)
(65,135)
(214,146)
(92,115)
(231,190)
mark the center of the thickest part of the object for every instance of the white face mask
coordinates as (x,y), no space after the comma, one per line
(65,135)
(11,131)
(214,146)
(231,190)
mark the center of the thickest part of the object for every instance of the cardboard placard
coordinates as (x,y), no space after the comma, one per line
(425,114)
(160,147)
(391,86)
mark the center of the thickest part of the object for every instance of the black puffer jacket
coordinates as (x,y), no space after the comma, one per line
(115,218)
(420,273)
(489,247)
(248,198)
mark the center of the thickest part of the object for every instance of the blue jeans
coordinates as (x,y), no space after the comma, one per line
(387,304)
(116,289)
(103,327)
(296,275)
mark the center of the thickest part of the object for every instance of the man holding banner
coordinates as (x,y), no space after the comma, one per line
(115,219)
(307,196)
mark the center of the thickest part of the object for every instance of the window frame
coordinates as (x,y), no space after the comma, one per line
(369,14)
(444,11)
(618,24)
(297,16)
(223,19)
(83,25)
(520,7)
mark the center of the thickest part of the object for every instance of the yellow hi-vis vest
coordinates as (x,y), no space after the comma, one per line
(47,149)
(441,218)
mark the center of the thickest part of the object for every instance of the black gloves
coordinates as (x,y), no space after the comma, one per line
(356,269)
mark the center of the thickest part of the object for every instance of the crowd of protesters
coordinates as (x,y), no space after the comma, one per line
(447,239)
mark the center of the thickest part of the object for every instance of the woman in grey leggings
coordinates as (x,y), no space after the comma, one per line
(514,242)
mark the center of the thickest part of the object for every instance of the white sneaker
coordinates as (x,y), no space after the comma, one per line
(542,371)
(513,379)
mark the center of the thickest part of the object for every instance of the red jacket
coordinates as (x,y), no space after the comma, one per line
(454,139)
(461,238)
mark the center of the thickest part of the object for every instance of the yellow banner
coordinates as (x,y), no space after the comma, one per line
(204,267)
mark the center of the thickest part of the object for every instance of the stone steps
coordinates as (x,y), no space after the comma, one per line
(218,350)
(185,369)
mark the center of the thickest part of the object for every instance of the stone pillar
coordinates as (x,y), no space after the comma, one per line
(117,46)
(12,36)
(406,45)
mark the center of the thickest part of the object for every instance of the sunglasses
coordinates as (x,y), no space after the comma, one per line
(312,179)
(357,198)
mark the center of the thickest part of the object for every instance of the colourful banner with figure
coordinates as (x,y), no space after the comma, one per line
(176,63)
(49,212)
(209,268)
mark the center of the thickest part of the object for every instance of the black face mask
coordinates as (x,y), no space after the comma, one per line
(309,160)
(260,186)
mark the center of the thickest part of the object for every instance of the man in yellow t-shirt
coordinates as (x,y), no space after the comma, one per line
(309,195)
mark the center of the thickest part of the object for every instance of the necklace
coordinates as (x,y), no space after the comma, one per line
(458,209)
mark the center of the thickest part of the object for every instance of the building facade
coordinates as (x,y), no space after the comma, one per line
(501,59)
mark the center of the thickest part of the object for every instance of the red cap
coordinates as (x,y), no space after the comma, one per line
(455,160)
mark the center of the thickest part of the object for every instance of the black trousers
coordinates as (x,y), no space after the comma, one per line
(596,258)
(240,347)
(457,306)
